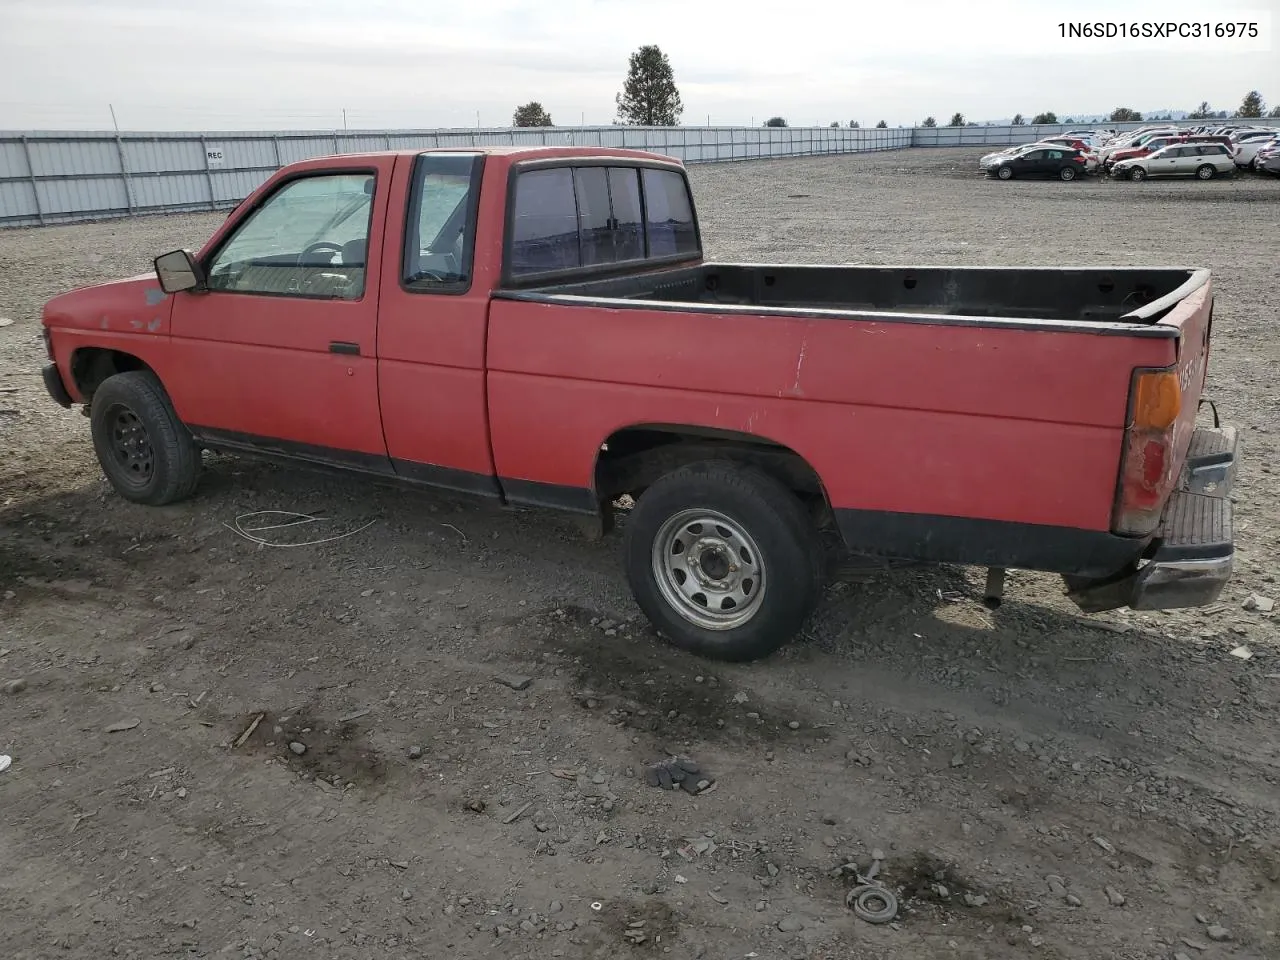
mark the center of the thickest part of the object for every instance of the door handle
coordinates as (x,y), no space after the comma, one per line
(341,346)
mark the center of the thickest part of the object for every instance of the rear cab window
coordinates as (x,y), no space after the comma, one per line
(596,216)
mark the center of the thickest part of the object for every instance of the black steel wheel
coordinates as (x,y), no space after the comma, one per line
(145,451)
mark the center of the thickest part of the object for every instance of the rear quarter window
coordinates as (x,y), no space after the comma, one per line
(595,215)
(544,222)
(668,215)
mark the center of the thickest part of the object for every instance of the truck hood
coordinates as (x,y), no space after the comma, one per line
(136,304)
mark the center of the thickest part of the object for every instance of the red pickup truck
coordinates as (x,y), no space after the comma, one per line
(540,327)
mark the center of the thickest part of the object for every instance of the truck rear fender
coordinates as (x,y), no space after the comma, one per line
(1163,403)
(632,458)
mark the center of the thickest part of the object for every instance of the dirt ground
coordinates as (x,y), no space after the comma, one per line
(1041,784)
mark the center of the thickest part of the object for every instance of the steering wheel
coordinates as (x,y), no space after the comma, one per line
(317,247)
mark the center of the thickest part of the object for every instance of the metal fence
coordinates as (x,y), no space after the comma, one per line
(65,177)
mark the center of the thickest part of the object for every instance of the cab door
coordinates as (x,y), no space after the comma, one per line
(278,352)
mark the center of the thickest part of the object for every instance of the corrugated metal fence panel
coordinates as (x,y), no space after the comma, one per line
(69,198)
(13,160)
(64,177)
(159,156)
(62,158)
(18,199)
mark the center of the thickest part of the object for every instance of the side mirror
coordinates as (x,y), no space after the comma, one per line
(178,271)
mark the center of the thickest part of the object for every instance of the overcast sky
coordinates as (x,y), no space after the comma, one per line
(259,64)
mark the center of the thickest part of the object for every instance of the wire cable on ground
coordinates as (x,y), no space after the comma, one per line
(252,533)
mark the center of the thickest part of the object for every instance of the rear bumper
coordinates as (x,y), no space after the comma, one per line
(1191,556)
(53,383)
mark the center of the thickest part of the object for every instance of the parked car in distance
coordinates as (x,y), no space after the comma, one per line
(1156,143)
(1059,163)
(1271,164)
(533,325)
(1201,160)
(988,159)
(1267,150)
(1137,140)
(1247,148)
(1072,143)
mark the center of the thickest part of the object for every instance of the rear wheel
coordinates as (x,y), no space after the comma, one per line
(1005,173)
(144,449)
(1067,173)
(1205,171)
(723,560)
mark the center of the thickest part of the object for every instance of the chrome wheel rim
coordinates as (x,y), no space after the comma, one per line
(709,569)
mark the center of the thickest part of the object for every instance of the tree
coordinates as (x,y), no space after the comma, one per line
(531,115)
(1202,112)
(649,97)
(929,122)
(957,120)
(1019,120)
(835,123)
(882,125)
(776,122)
(1049,117)
(1275,112)
(853,125)
(1251,107)
(1125,115)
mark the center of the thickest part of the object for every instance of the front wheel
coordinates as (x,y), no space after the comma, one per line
(1205,171)
(1137,173)
(144,449)
(1005,173)
(723,560)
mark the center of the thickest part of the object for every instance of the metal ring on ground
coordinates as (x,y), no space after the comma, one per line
(872,903)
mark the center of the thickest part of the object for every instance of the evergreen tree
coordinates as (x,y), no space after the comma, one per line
(649,97)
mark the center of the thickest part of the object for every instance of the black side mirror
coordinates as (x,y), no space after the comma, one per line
(178,271)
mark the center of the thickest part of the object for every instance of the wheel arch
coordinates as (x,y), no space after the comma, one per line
(633,457)
(90,366)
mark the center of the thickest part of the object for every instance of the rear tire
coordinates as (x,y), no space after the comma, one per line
(142,446)
(1067,173)
(1205,171)
(723,560)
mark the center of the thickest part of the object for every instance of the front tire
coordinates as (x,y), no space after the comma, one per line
(723,560)
(1137,173)
(1005,173)
(145,451)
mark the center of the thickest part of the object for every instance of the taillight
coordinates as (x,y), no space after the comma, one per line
(1146,471)
(1079,159)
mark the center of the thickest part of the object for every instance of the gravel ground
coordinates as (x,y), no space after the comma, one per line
(1041,784)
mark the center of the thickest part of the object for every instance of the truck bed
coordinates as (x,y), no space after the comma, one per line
(1127,301)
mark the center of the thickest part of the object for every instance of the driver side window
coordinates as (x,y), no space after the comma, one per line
(309,239)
